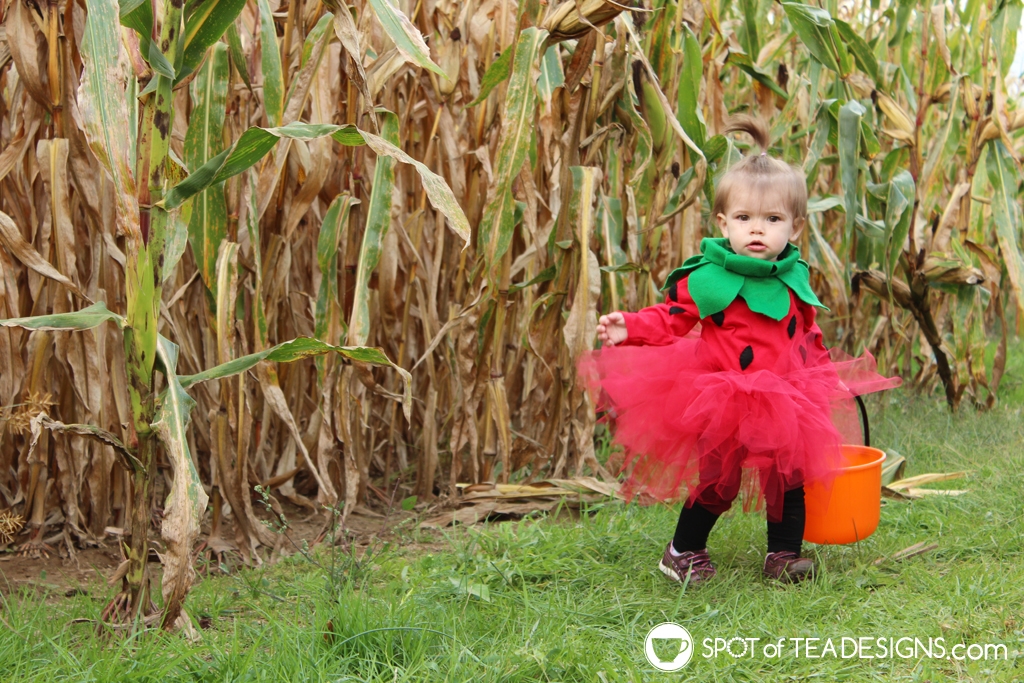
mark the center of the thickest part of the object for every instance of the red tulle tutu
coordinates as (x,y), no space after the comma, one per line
(692,430)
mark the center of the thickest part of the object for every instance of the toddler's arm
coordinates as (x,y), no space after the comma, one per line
(661,324)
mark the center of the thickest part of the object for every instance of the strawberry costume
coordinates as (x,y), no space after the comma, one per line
(754,402)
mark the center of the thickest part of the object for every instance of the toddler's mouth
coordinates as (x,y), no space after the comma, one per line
(756,246)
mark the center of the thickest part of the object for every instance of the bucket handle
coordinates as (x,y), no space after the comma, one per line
(864,420)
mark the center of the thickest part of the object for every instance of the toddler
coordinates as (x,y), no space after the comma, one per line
(755,401)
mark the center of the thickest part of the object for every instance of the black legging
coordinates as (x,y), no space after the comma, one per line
(696,522)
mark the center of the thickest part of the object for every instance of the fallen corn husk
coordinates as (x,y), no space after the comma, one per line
(912,551)
(927,478)
(910,488)
(477,502)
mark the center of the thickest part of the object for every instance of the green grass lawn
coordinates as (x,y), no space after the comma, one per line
(558,600)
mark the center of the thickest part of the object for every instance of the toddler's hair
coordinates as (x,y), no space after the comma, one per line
(761,172)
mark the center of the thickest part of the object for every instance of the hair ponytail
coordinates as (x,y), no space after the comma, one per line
(761,170)
(752,126)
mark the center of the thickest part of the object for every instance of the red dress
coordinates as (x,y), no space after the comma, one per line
(751,403)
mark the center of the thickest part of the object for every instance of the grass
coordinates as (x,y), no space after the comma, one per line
(550,600)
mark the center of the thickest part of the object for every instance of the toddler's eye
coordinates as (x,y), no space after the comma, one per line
(742,217)
(774,219)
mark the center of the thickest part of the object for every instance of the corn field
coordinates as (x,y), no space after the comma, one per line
(348,253)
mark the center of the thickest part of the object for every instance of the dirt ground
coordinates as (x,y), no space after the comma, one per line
(59,573)
(68,572)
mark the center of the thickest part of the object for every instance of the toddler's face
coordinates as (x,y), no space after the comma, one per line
(758,224)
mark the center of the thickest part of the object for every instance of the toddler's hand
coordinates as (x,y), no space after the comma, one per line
(611,328)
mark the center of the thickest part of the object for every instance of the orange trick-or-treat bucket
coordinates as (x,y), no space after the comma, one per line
(851,512)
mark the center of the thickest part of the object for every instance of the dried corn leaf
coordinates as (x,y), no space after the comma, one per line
(927,478)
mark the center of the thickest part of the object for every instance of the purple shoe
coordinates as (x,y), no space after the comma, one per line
(787,567)
(694,566)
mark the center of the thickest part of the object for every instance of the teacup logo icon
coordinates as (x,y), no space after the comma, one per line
(668,647)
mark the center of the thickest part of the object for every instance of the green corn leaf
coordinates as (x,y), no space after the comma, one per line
(903,14)
(297,349)
(328,309)
(177,222)
(610,226)
(378,222)
(273,76)
(331,231)
(843,56)
(695,150)
(138,15)
(496,74)
(899,210)
(624,268)
(1006,26)
(287,352)
(811,25)
(143,309)
(314,36)
(545,275)
(862,52)
(203,28)
(405,35)
(518,125)
(757,73)
(689,113)
(104,111)
(551,74)
(237,55)
(159,62)
(85,319)
(750,38)
(849,146)
(868,140)
(716,147)
(187,499)
(820,204)
(818,32)
(822,132)
(873,229)
(254,143)
(1006,213)
(203,141)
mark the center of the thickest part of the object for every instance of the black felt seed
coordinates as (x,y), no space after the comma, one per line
(673,292)
(719,318)
(791,330)
(803,353)
(676,309)
(746,357)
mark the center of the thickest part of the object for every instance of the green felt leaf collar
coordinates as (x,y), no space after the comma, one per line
(718,275)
